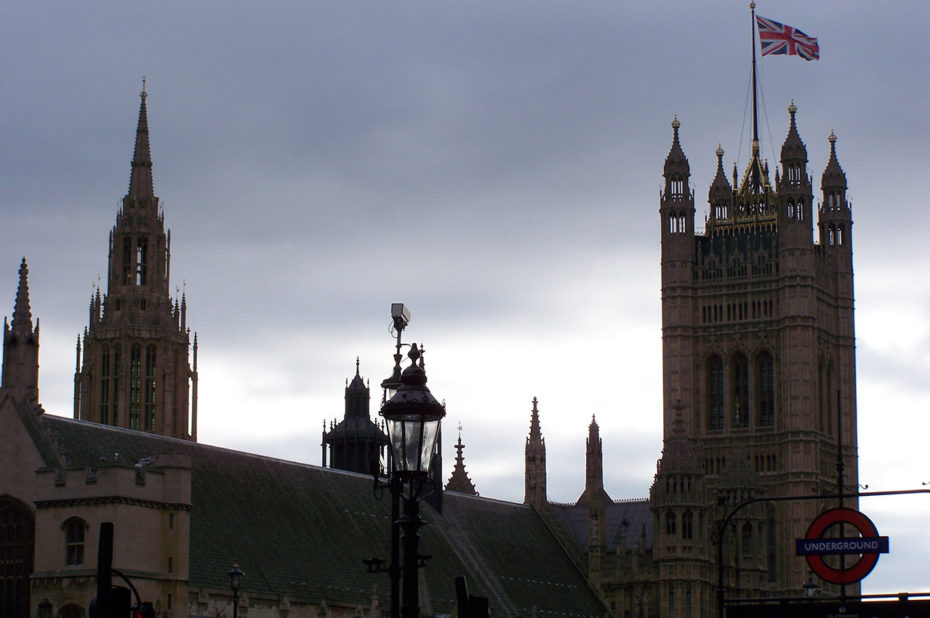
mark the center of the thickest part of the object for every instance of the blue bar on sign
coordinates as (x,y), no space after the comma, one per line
(855,545)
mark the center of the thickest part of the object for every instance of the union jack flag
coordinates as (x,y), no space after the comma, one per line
(777,39)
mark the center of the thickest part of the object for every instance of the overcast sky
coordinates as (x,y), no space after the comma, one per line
(495,166)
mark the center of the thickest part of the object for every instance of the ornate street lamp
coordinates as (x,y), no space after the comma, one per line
(412,416)
(235,584)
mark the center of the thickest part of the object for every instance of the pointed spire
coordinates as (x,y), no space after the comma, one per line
(720,189)
(833,176)
(594,468)
(676,163)
(535,436)
(459,480)
(21,325)
(793,149)
(20,374)
(141,187)
(534,464)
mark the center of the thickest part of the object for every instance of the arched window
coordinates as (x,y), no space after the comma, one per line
(765,389)
(771,555)
(74,540)
(740,395)
(105,385)
(17,537)
(687,525)
(671,524)
(127,261)
(715,393)
(149,416)
(747,539)
(142,246)
(135,385)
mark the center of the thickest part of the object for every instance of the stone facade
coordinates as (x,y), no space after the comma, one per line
(758,387)
(135,370)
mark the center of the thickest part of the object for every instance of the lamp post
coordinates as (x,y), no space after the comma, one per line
(412,416)
(235,583)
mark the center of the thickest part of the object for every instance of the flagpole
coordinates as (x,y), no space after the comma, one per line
(755,122)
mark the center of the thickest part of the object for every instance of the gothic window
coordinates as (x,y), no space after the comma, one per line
(828,397)
(149,388)
(141,260)
(17,535)
(688,602)
(771,556)
(671,525)
(740,395)
(74,541)
(839,235)
(765,389)
(747,539)
(127,261)
(687,525)
(715,393)
(671,603)
(135,385)
(790,210)
(114,387)
(105,385)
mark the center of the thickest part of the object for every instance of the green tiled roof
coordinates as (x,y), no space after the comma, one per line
(302,531)
(628,523)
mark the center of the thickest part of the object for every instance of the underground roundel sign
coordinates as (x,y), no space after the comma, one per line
(868,545)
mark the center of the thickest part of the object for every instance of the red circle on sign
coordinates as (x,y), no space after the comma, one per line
(866,562)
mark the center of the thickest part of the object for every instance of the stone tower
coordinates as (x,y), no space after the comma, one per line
(595,498)
(135,370)
(535,462)
(21,346)
(758,364)
(356,442)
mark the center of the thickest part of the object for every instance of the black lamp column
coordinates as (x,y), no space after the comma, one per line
(235,583)
(412,416)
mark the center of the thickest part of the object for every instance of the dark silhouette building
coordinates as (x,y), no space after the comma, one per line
(355,443)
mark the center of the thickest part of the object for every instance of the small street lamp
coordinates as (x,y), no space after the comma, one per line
(235,584)
(810,587)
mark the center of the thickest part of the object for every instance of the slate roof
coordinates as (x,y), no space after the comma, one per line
(629,523)
(303,531)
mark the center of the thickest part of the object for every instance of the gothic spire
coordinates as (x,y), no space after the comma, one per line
(20,374)
(594,468)
(459,480)
(534,470)
(720,189)
(21,325)
(833,176)
(535,436)
(141,186)
(676,163)
(793,149)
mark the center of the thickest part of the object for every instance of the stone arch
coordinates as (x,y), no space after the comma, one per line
(17,529)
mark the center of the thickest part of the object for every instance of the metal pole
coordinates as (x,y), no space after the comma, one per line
(395,488)
(411,523)
(235,604)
